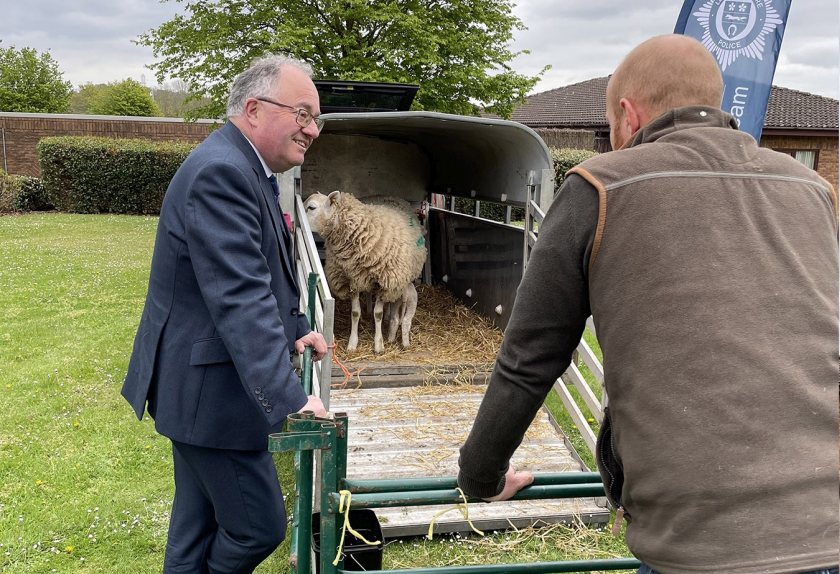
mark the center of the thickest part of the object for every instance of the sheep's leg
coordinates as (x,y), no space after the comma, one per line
(394,312)
(407,309)
(378,343)
(355,313)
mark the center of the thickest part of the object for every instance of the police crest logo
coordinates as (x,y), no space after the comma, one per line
(736,28)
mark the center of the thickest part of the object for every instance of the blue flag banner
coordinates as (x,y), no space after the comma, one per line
(745,37)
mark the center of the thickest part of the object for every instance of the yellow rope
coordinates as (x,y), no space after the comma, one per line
(346,495)
(462,506)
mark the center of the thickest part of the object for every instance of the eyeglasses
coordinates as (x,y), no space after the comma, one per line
(302,116)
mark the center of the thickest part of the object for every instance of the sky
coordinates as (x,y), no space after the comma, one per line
(92,40)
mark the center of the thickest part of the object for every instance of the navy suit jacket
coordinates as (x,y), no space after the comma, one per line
(212,352)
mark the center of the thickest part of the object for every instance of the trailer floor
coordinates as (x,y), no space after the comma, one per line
(409,421)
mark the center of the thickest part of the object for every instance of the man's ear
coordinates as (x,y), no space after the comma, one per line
(249,110)
(635,115)
(333,196)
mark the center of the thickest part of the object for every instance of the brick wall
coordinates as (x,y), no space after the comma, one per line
(827,147)
(20,133)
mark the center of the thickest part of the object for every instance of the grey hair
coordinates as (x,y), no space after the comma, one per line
(260,80)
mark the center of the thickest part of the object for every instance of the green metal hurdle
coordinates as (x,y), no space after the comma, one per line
(303,461)
(305,434)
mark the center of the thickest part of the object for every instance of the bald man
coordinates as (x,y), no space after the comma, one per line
(710,267)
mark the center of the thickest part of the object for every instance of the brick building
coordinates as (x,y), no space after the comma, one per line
(798,123)
(20,133)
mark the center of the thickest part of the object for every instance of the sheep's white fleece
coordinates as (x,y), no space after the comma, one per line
(370,248)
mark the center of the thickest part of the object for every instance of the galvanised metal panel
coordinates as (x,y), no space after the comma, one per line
(480,261)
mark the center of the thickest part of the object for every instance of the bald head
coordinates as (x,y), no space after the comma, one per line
(663,73)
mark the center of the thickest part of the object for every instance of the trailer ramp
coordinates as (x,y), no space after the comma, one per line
(403,426)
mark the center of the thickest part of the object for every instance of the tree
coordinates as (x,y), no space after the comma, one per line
(30,82)
(87,97)
(175,99)
(170,99)
(126,98)
(456,50)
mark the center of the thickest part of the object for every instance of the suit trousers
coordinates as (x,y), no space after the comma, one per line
(228,513)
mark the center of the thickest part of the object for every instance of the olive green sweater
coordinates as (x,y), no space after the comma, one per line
(710,268)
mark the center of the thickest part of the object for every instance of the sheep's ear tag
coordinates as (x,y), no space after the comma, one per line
(333,196)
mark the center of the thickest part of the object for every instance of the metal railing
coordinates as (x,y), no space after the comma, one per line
(534,216)
(309,262)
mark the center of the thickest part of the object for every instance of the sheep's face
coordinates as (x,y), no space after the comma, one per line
(318,209)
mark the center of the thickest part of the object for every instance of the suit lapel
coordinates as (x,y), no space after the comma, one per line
(281,233)
(279,224)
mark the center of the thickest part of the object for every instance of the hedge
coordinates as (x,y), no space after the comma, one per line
(106,175)
(565,159)
(9,191)
(22,193)
(33,195)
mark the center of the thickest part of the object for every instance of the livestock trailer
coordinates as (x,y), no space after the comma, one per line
(430,159)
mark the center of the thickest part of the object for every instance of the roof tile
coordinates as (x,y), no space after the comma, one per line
(583,105)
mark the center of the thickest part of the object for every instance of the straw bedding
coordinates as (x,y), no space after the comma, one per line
(443,332)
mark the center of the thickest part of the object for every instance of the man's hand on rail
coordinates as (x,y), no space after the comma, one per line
(316,341)
(514,482)
(315,405)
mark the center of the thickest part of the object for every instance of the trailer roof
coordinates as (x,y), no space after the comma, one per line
(468,156)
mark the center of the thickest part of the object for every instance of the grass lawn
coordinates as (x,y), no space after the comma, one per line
(84,486)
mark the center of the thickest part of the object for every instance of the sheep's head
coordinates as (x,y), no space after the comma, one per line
(318,209)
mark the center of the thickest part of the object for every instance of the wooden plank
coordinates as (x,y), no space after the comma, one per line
(574,377)
(591,361)
(369,381)
(577,417)
(406,368)
(412,521)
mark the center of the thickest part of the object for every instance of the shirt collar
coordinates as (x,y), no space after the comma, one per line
(268,172)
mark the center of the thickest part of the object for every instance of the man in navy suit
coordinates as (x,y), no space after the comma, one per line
(212,352)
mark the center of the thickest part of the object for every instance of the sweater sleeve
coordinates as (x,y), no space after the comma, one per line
(546,324)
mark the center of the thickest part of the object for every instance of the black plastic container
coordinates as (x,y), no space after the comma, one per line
(358,556)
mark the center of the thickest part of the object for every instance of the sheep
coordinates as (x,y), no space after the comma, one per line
(388,201)
(401,313)
(370,249)
(415,208)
